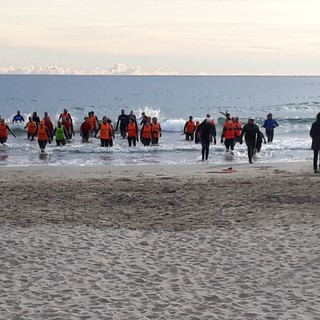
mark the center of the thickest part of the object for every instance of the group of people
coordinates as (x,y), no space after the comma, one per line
(232,133)
(45,131)
(150,131)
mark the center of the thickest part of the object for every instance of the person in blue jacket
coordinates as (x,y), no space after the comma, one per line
(269,125)
(18,117)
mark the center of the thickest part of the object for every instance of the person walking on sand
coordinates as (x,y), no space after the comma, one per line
(269,124)
(206,131)
(189,129)
(315,146)
(251,132)
(4,129)
(43,136)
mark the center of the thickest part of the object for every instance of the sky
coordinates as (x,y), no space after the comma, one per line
(164,37)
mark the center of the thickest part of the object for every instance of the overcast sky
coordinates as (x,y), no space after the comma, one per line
(158,37)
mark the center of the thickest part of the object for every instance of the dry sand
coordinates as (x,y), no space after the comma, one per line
(160,242)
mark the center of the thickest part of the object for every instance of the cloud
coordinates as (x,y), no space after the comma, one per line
(116,69)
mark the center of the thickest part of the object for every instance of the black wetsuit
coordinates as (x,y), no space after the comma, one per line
(123,119)
(207,130)
(251,133)
(315,146)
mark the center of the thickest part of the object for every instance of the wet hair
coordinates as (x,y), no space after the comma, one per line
(318,117)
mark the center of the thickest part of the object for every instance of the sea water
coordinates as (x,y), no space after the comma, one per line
(293,101)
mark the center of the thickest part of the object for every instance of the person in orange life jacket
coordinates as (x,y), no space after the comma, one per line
(61,134)
(106,133)
(228,118)
(228,134)
(189,129)
(43,136)
(85,130)
(4,129)
(48,123)
(155,131)
(145,134)
(197,137)
(93,120)
(251,132)
(31,127)
(66,119)
(237,129)
(132,131)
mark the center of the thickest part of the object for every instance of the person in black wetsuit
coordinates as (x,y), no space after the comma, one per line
(206,130)
(123,119)
(315,135)
(35,118)
(251,133)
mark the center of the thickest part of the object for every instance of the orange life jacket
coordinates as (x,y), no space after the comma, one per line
(65,117)
(229,131)
(32,127)
(212,122)
(3,130)
(66,121)
(155,128)
(146,134)
(45,119)
(190,127)
(105,130)
(132,130)
(237,128)
(92,122)
(42,133)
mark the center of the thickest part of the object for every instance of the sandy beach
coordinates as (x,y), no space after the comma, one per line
(160,242)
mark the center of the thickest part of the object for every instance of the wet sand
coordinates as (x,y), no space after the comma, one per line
(160,242)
